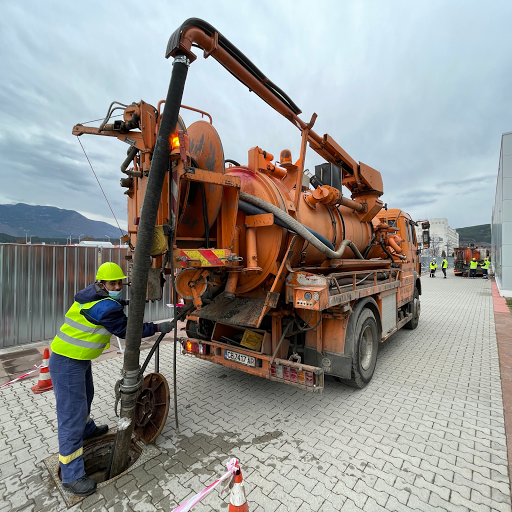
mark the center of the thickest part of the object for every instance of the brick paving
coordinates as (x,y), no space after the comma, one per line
(427,434)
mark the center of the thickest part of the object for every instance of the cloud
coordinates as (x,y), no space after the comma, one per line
(407,88)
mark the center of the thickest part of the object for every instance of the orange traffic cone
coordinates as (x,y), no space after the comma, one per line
(45,381)
(238,500)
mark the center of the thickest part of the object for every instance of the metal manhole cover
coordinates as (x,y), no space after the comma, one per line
(152,408)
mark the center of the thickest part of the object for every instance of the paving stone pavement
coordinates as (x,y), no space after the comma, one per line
(427,434)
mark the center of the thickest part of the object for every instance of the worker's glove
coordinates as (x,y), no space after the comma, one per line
(165,327)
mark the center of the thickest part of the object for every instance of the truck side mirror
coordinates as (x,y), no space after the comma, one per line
(426,239)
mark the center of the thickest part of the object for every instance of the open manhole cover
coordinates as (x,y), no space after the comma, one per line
(152,407)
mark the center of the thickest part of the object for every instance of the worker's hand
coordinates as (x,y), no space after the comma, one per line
(165,327)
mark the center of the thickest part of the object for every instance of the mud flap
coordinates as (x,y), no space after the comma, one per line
(338,365)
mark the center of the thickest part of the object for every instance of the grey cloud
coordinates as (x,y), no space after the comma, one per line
(406,88)
(470,181)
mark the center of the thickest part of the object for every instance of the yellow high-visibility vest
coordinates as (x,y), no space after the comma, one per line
(473,265)
(486,265)
(433,265)
(445,263)
(78,338)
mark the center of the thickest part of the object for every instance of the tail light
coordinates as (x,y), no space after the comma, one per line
(292,374)
(196,348)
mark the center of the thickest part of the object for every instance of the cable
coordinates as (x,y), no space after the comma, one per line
(109,112)
(342,222)
(285,332)
(357,283)
(101,119)
(304,329)
(100,186)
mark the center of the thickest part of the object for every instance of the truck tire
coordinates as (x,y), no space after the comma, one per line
(366,347)
(416,308)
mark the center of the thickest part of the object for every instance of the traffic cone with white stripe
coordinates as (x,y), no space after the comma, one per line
(238,500)
(45,381)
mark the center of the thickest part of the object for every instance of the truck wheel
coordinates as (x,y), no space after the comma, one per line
(416,310)
(365,353)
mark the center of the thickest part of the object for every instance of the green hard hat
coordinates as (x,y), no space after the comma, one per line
(109,272)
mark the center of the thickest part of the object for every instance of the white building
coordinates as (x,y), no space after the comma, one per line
(501,238)
(442,236)
(94,243)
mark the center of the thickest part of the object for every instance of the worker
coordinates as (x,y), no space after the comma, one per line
(94,317)
(433,267)
(485,268)
(473,265)
(444,266)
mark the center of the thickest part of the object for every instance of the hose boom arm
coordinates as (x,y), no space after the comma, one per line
(194,32)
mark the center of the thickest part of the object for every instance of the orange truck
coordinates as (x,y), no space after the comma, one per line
(284,276)
(463,257)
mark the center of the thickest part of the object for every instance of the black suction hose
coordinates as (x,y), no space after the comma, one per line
(131,381)
(255,210)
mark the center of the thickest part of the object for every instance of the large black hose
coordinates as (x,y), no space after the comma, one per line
(255,210)
(301,230)
(159,164)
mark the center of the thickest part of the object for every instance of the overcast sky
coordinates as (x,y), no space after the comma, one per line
(419,90)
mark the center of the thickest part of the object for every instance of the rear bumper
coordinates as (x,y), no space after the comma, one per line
(291,374)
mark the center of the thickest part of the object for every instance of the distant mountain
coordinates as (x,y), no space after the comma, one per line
(50,222)
(478,235)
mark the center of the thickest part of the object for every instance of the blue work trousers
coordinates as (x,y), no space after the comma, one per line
(74,391)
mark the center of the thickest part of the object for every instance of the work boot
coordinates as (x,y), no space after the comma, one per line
(99,431)
(83,486)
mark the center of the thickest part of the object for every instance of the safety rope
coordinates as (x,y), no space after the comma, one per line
(114,215)
(100,119)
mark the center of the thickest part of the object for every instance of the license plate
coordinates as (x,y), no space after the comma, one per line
(240,358)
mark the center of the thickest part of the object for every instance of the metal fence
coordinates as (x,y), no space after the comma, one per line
(38,284)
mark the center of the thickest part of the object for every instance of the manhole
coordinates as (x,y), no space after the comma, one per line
(150,417)
(96,459)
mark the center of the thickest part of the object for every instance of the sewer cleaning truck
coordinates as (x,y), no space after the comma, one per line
(285,275)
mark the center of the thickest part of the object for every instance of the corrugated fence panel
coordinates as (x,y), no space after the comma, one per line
(38,284)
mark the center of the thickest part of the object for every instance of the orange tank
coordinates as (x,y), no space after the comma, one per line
(271,240)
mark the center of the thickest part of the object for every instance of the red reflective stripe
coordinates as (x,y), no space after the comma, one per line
(212,257)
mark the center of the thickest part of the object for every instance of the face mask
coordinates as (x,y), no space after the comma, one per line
(115,295)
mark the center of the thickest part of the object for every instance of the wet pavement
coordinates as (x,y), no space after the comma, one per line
(427,434)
